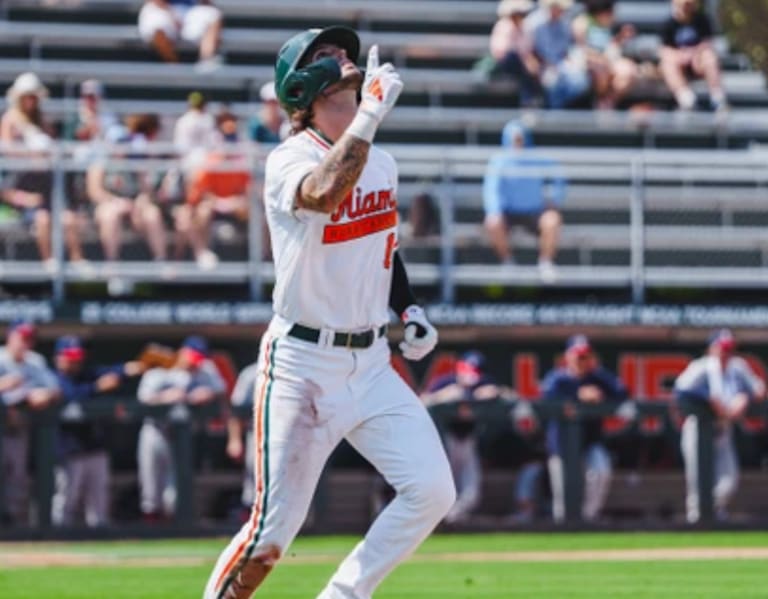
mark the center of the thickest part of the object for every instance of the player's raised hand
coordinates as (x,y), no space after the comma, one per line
(381,88)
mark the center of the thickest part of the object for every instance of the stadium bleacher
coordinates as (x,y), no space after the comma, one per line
(445,127)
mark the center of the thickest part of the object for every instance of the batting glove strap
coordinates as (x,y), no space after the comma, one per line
(420,337)
(364,126)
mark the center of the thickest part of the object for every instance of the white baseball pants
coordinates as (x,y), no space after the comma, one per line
(598,472)
(308,398)
(157,470)
(82,486)
(726,468)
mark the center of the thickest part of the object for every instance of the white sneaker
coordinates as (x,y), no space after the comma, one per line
(209,65)
(117,286)
(547,271)
(51,266)
(84,269)
(207,260)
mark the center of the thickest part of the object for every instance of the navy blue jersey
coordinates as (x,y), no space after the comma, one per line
(562,385)
(451,379)
(78,436)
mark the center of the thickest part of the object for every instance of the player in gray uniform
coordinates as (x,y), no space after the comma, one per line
(728,384)
(24,380)
(242,395)
(193,380)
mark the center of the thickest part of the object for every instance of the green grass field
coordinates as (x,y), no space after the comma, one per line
(552,566)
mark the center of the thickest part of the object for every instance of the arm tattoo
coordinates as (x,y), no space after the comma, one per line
(327,186)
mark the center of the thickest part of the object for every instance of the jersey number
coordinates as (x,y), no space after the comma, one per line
(388,252)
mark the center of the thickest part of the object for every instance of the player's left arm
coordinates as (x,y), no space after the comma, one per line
(419,337)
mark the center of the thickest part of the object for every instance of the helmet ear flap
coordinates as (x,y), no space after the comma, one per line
(299,88)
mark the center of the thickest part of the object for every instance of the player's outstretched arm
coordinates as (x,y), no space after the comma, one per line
(327,185)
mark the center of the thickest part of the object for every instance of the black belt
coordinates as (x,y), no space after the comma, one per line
(348,340)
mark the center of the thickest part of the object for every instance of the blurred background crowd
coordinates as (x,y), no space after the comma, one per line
(487,428)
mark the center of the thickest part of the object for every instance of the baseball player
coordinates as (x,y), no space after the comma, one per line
(582,380)
(242,395)
(25,380)
(192,380)
(324,370)
(82,476)
(728,384)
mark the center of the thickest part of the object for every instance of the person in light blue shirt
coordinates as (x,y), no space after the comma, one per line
(564,70)
(526,189)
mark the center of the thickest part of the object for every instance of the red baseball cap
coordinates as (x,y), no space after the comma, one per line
(195,349)
(25,328)
(723,339)
(578,345)
(70,347)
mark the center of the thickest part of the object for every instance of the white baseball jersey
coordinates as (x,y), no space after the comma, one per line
(706,377)
(332,270)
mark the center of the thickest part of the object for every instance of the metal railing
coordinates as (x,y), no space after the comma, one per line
(181,419)
(638,219)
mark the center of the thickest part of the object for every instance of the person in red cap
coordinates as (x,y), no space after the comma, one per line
(192,380)
(468,381)
(727,383)
(82,474)
(25,380)
(581,380)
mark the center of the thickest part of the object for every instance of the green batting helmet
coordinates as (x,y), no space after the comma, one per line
(296,84)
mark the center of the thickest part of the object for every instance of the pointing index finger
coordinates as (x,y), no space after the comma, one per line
(373,58)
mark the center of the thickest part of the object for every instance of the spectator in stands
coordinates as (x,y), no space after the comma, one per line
(423,217)
(193,380)
(727,384)
(163,22)
(687,52)
(25,380)
(92,121)
(220,188)
(270,126)
(121,195)
(242,396)
(526,190)
(92,124)
(194,133)
(563,73)
(511,47)
(596,33)
(82,476)
(581,380)
(25,134)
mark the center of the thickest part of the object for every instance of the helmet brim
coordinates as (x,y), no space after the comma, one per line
(338,35)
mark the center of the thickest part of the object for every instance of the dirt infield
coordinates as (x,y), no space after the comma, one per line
(41,559)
